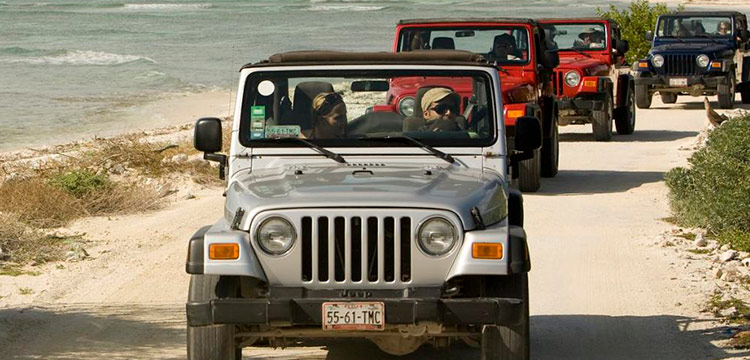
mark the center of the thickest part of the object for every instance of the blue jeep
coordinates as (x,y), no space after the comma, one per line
(696,53)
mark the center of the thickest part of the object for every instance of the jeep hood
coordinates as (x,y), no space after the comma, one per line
(336,186)
(586,65)
(695,47)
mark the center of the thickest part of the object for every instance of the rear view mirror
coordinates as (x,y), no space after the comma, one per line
(370,85)
(464,33)
(528,134)
(649,35)
(207,138)
(744,35)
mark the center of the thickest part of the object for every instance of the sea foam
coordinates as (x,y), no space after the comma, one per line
(167,7)
(346,8)
(79,57)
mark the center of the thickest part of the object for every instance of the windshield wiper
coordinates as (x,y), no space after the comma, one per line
(581,52)
(404,138)
(675,37)
(709,37)
(500,68)
(328,153)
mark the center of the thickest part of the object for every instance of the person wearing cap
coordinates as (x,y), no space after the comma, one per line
(591,38)
(329,117)
(439,110)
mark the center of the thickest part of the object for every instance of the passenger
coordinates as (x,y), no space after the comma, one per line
(439,110)
(329,117)
(723,28)
(504,48)
(590,38)
(419,40)
(550,32)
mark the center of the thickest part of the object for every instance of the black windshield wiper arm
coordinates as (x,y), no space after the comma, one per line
(414,141)
(328,153)
(709,37)
(674,37)
(581,52)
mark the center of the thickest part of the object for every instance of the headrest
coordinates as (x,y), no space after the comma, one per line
(443,43)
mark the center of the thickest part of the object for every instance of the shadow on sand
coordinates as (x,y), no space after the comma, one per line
(637,136)
(570,182)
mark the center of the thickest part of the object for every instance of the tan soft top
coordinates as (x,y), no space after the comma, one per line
(427,57)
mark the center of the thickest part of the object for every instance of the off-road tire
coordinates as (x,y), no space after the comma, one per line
(602,120)
(551,151)
(642,97)
(529,173)
(726,92)
(668,98)
(625,119)
(512,342)
(209,342)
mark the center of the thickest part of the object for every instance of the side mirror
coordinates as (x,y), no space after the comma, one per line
(744,35)
(551,59)
(528,134)
(207,138)
(649,35)
(622,47)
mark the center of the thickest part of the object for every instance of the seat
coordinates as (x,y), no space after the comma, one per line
(443,43)
(375,122)
(304,93)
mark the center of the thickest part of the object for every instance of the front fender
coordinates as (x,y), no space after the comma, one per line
(515,252)
(198,261)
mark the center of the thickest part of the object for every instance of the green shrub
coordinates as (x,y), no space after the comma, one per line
(81,182)
(634,22)
(714,191)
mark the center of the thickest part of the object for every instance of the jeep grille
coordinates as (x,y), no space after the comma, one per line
(679,64)
(557,82)
(356,248)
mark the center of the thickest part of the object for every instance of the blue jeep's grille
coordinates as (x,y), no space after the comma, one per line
(679,64)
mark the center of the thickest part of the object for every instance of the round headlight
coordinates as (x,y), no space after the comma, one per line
(702,60)
(437,236)
(572,78)
(275,235)
(406,106)
(657,61)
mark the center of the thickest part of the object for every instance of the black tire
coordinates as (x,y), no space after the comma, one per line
(668,98)
(602,120)
(745,93)
(209,342)
(529,173)
(625,121)
(551,151)
(726,92)
(512,342)
(642,97)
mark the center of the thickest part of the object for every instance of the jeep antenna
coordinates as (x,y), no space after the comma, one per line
(229,111)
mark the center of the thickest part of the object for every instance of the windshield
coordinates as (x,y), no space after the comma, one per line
(352,108)
(695,26)
(576,36)
(503,44)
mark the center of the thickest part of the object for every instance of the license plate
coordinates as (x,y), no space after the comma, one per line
(682,82)
(353,316)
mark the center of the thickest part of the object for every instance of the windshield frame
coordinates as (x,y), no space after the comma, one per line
(604,24)
(488,73)
(664,18)
(454,27)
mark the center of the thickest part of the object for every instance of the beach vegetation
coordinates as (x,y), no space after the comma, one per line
(713,191)
(634,21)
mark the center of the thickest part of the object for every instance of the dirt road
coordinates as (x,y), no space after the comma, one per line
(600,288)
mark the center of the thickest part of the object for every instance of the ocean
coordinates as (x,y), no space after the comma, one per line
(70,69)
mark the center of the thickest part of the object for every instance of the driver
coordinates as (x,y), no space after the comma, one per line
(329,117)
(590,38)
(723,28)
(439,110)
(504,48)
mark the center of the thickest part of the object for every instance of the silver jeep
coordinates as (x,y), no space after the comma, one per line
(384,227)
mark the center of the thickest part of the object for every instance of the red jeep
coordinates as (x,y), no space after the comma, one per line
(592,82)
(518,48)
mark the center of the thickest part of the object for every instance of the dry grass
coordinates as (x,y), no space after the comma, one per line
(741,340)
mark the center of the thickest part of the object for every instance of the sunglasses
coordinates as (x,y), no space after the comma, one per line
(329,102)
(442,108)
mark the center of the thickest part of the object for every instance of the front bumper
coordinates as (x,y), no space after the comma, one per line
(580,104)
(662,82)
(307,311)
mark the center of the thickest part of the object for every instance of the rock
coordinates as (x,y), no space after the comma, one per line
(746,261)
(179,158)
(4,256)
(667,243)
(727,255)
(725,247)
(118,169)
(196,158)
(700,241)
(712,244)
(76,253)
(729,312)
(678,304)
(188,196)
(716,273)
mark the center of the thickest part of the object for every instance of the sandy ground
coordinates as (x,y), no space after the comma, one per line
(600,288)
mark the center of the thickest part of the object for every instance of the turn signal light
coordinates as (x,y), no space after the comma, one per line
(589,83)
(487,251)
(716,65)
(515,113)
(223,251)
(642,64)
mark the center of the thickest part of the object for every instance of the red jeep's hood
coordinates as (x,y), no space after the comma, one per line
(588,66)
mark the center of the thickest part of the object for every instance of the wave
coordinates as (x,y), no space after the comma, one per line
(78,57)
(149,7)
(346,8)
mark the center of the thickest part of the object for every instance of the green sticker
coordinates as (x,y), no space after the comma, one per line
(280,131)
(257,112)
(258,124)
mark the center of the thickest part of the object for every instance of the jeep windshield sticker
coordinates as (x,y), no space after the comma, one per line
(282,131)
(257,121)
(266,88)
